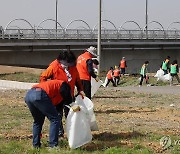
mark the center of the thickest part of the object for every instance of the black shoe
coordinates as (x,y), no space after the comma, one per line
(61,135)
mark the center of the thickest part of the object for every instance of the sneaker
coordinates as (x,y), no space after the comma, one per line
(53,149)
(61,135)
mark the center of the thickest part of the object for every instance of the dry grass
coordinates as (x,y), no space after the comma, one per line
(127,121)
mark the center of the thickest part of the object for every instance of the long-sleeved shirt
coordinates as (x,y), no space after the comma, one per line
(55,71)
(90,68)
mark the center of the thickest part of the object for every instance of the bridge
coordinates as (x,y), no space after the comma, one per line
(37,47)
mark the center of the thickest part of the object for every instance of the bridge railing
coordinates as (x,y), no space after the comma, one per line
(87,34)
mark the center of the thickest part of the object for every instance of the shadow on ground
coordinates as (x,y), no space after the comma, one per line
(106,140)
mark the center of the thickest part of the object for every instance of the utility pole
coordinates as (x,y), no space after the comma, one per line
(147,19)
(99,38)
(56,16)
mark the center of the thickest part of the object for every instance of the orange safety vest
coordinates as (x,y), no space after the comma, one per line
(59,74)
(122,64)
(82,66)
(52,88)
(109,74)
(116,72)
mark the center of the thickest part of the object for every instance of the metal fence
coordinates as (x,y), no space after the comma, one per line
(87,34)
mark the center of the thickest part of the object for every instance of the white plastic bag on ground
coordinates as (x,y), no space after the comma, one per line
(159,73)
(92,119)
(167,77)
(78,128)
(95,86)
(161,77)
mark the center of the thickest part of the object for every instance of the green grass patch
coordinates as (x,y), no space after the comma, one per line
(21,77)
(138,149)
(130,80)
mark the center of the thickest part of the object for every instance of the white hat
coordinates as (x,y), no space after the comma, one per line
(92,50)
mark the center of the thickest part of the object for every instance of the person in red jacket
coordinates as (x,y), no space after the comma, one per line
(41,100)
(85,69)
(110,77)
(123,65)
(116,75)
(64,68)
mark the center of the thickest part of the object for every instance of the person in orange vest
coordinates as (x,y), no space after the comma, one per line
(116,75)
(41,100)
(123,65)
(110,77)
(64,68)
(85,69)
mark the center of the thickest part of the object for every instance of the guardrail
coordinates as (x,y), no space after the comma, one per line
(87,34)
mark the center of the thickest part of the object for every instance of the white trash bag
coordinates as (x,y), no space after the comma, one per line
(90,107)
(161,77)
(167,77)
(95,86)
(159,73)
(78,128)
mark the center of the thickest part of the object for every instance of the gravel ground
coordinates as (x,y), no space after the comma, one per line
(175,89)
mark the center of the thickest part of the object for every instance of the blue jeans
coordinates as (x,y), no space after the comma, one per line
(40,106)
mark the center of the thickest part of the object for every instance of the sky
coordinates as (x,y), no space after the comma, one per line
(115,11)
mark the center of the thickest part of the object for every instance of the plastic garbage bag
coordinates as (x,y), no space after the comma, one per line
(95,86)
(88,104)
(159,73)
(167,77)
(160,76)
(92,119)
(78,128)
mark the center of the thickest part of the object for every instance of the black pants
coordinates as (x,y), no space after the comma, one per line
(165,72)
(122,71)
(142,78)
(177,77)
(116,79)
(60,107)
(87,88)
(111,80)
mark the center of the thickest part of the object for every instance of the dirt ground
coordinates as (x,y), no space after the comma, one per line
(123,110)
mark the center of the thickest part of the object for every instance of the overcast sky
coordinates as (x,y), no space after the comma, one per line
(116,11)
